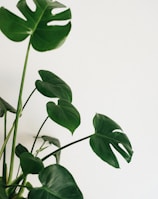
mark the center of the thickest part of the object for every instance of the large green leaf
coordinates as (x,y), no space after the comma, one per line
(64,114)
(35,164)
(52,86)
(109,136)
(43,36)
(5,106)
(57,183)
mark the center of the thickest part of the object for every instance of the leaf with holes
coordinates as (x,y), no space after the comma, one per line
(58,183)
(109,136)
(64,114)
(36,24)
(53,86)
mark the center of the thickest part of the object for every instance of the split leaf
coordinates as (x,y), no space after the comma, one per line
(109,136)
(36,24)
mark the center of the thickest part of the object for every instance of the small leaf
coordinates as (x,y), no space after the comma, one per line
(55,142)
(57,183)
(36,24)
(108,136)
(52,86)
(64,114)
(30,164)
(20,149)
(51,140)
(4,107)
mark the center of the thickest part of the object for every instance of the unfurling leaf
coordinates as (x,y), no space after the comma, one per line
(43,36)
(64,114)
(109,136)
(4,107)
(58,183)
(52,86)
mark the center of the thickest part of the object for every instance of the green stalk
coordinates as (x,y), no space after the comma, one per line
(65,146)
(38,134)
(4,152)
(19,110)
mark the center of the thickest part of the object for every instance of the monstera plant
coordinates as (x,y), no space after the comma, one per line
(108,138)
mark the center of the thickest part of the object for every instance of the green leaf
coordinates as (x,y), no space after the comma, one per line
(3,194)
(36,24)
(52,86)
(64,114)
(57,183)
(30,164)
(4,107)
(55,142)
(109,136)
(51,140)
(20,149)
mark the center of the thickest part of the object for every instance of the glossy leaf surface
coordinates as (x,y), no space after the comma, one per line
(109,137)
(53,86)
(57,183)
(43,36)
(64,114)
(4,107)
(30,164)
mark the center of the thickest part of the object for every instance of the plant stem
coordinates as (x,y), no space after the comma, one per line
(65,146)
(19,110)
(38,134)
(28,98)
(4,152)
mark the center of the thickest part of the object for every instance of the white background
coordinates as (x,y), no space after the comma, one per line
(110,60)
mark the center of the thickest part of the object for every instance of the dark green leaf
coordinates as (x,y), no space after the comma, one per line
(108,136)
(30,164)
(3,194)
(52,86)
(64,114)
(43,36)
(57,183)
(20,149)
(4,107)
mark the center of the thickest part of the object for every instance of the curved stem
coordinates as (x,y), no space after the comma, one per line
(19,110)
(65,146)
(28,98)
(38,134)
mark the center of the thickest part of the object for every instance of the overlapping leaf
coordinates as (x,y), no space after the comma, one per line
(35,164)
(58,183)
(64,114)
(109,136)
(43,36)
(53,86)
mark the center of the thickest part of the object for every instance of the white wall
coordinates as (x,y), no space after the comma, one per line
(110,61)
